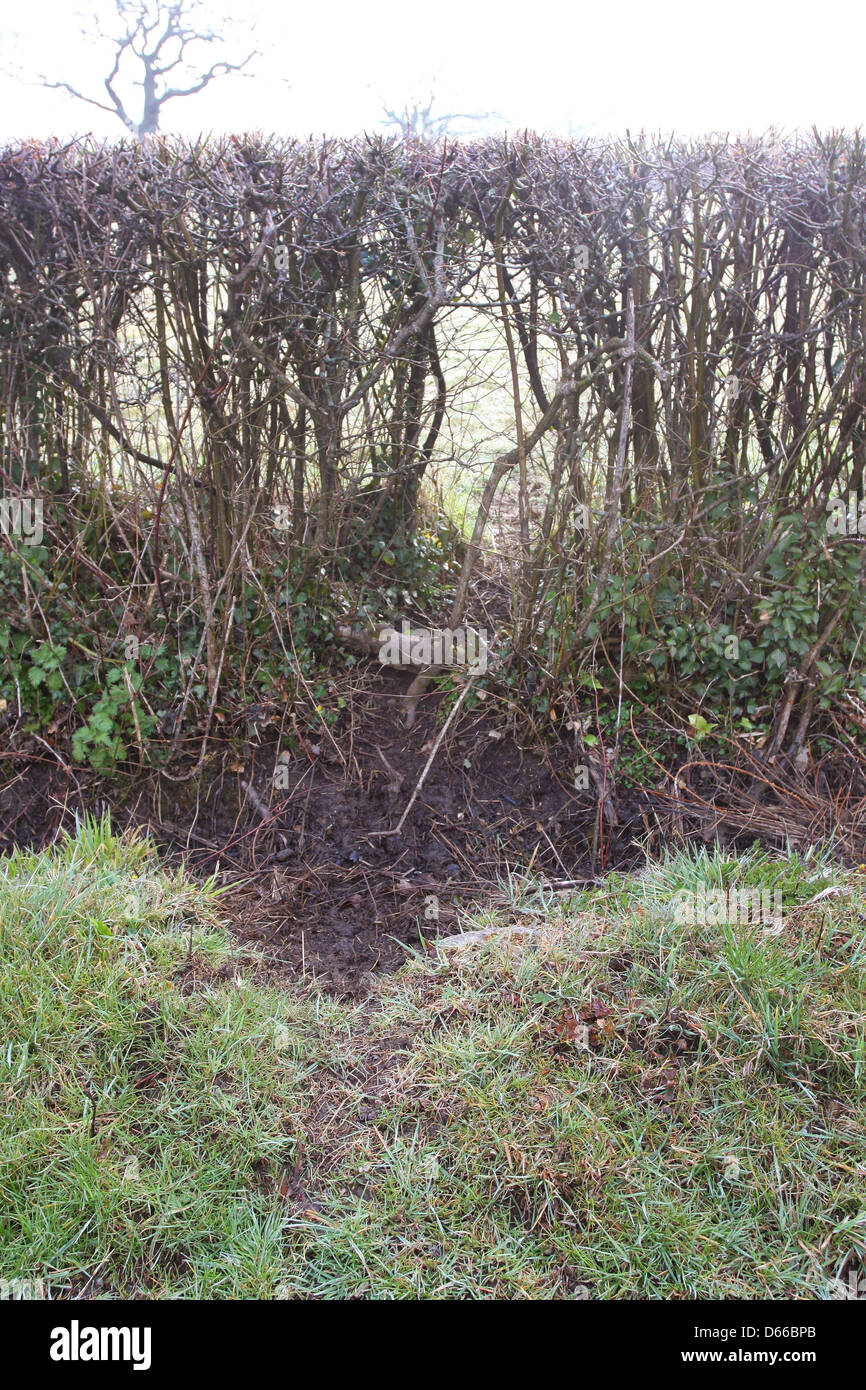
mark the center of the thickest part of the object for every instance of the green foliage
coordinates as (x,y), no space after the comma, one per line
(408,568)
(736,660)
(112,703)
(100,740)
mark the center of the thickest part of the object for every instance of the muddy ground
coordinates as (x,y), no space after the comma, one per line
(314,883)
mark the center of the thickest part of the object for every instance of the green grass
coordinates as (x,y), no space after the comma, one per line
(614,1106)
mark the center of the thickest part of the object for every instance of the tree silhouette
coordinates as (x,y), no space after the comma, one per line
(419,121)
(149,47)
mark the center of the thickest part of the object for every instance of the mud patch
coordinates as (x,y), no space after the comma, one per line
(311,880)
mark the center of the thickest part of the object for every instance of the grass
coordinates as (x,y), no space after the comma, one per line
(612,1106)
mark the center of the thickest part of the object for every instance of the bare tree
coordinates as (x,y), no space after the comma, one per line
(419,121)
(150,47)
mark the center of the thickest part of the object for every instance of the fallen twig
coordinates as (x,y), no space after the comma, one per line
(380,834)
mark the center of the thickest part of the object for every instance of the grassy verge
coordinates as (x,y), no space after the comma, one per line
(610,1105)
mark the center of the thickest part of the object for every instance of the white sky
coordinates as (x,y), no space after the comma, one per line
(683,65)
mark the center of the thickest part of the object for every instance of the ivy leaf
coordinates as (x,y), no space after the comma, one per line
(701,726)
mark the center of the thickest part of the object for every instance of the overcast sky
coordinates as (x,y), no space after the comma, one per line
(684,65)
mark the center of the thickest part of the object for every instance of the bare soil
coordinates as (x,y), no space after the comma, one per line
(314,883)
(318,888)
